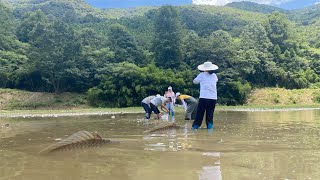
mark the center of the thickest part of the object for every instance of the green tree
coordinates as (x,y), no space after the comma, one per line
(167,45)
(94,62)
(8,40)
(12,51)
(94,56)
(277,27)
(255,52)
(124,46)
(6,20)
(277,52)
(222,51)
(10,65)
(54,53)
(29,23)
(196,50)
(223,48)
(89,37)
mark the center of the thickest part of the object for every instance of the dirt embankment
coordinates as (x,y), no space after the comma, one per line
(17,103)
(11,99)
(280,96)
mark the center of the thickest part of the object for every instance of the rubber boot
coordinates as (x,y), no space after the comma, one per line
(195,127)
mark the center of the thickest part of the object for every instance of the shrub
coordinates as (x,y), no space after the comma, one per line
(316,97)
(127,84)
(315,85)
(3,79)
(275,97)
(234,93)
(293,99)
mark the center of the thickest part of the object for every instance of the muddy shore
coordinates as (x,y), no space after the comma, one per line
(31,113)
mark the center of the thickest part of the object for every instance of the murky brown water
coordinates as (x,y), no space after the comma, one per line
(243,145)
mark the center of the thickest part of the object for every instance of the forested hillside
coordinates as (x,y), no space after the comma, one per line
(254,7)
(119,56)
(305,16)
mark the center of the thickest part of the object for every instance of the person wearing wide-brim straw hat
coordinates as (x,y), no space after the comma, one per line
(208,94)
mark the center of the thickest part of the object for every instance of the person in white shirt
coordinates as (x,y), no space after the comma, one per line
(159,101)
(208,94)
(145,103)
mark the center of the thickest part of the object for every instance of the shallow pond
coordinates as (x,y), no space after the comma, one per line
(243,145)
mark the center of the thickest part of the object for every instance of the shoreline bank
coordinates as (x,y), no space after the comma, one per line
(128,111)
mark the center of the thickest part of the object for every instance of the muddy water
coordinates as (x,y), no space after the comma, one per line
(243,145)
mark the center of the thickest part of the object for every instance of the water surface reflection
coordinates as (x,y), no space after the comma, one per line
(243,145)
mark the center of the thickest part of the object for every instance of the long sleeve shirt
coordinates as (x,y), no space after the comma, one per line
(208,85)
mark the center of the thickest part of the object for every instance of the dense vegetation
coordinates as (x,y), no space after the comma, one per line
(117,57)
(254,7)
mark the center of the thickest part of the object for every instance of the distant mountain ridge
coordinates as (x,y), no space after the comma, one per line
(307,15)
(136,3)
(255,7)
(303,16)
(80,8)
(76,8)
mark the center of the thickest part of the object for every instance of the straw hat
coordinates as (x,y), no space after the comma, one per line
(207,66)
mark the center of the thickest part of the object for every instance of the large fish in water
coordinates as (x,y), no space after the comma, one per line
(163,126)
(79,140)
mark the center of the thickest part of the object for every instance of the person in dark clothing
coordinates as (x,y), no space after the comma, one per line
(145,103)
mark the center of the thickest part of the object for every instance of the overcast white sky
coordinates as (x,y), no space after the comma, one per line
(223,2)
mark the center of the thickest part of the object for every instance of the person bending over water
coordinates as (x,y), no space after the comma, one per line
(145,103)
(159,101)
(190,105)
